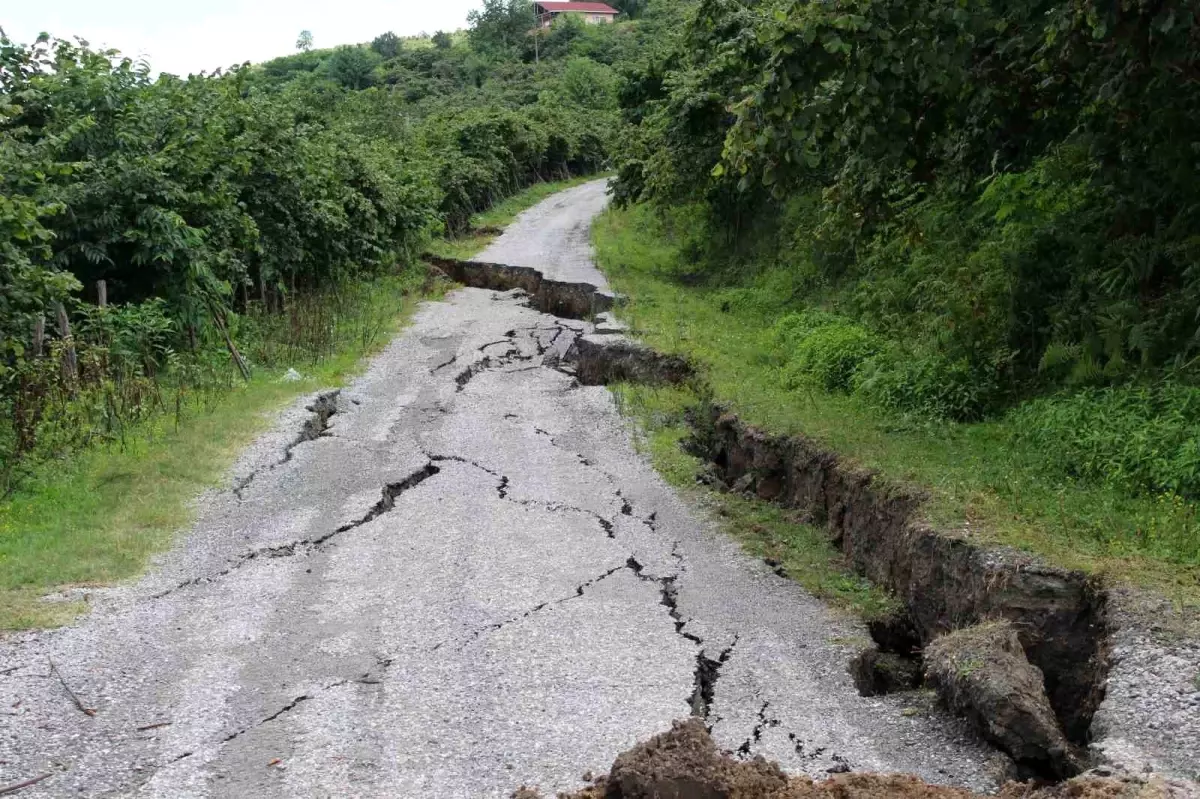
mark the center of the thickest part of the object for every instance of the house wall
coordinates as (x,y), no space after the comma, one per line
(589,18)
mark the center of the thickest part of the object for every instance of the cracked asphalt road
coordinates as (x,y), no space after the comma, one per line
(463,580)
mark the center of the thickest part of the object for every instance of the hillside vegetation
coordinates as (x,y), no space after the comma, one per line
(246,223)
(214,207)
(957,242)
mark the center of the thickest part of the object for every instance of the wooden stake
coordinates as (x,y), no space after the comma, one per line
(102,293)
(218,318)
(70,364)
(39,335)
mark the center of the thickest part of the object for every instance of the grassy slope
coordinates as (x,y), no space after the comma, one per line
(976,481)
(98,517)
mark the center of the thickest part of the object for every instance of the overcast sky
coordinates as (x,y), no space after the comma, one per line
(183,37)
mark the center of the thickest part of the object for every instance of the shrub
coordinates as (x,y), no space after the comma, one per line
(1137,437)
(822,349)
(924,384)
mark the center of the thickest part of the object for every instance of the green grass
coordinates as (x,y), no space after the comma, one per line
(977,481)
(764,530)
(96,517)
(498,216)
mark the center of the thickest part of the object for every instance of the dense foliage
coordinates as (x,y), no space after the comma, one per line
(207,204)
(990,202)
(1012,185)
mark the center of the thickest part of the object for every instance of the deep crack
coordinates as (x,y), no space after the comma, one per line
(388,501)
(444,364)
(760,726)
(290,706)
(555,507)
(461,459)
(708,672)
(322,409)
(669,597)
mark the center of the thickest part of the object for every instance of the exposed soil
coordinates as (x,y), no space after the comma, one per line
(601,360)
(945,581)
(685,764)
(566,300)
(981,672)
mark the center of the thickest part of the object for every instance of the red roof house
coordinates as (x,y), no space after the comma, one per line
(547,10)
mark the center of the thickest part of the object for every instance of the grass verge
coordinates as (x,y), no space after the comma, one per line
(977,480)
(498,216)
(97,516)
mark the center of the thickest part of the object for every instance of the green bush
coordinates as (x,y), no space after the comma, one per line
(1136,437)
(822,349)
(924,384)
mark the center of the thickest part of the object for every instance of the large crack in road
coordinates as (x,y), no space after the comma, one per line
(451,578)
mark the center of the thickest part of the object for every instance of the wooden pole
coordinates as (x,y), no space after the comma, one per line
(218,318)
(69,364)
(102,293)
(39,335)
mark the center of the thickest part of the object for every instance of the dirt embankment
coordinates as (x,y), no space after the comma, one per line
(685,764)
(946,582)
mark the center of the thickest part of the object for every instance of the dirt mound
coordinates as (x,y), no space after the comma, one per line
(686,764)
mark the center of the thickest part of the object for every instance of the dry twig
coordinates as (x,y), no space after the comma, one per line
(87,711)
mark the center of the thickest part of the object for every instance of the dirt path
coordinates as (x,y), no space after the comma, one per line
(462,580)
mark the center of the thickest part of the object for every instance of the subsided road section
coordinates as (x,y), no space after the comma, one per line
(462,580)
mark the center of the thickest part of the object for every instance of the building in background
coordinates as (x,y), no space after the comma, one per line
(594,13)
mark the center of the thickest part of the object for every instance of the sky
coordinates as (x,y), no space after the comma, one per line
(184,37)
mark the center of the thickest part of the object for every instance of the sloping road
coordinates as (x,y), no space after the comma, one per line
(467,582)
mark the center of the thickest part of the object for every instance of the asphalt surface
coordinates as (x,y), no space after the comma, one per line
(470,581)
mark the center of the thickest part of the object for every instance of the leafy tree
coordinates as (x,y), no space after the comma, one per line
(353,66)
(501,26)
(442,41)
(304,42)
(998,184)
(386,44)
(194,198)
(589,84)
(630,8)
